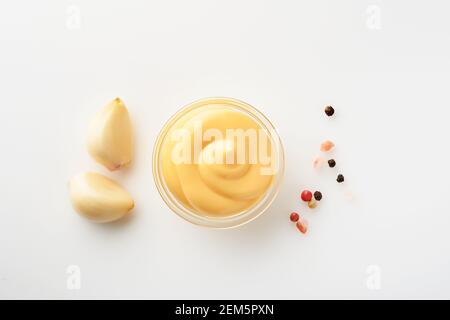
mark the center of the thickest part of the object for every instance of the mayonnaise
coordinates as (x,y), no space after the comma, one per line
(215,159)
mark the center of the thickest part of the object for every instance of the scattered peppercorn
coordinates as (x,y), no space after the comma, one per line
(318,162)
(294,217)
(340,178)
(318,195)
(312,203)
(331,163)
(349,195)
(326,146)
(306,195)
(329,110)
(302,225)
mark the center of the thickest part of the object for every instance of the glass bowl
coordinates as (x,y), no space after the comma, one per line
(236,219)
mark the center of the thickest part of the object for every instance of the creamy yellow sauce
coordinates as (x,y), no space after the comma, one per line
(205,184)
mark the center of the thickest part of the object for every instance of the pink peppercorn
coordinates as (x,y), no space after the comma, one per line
(294,217)
(306,195)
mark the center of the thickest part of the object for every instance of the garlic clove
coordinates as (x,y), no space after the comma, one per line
(99,198)
(110,136)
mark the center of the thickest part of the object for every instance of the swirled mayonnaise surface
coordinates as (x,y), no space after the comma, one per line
(214,158)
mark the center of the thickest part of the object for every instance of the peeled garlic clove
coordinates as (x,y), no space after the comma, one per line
(99,198)
(110,137)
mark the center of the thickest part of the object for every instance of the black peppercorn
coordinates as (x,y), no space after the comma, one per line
(331,163)
(318,195)
(340,178)
(329,110)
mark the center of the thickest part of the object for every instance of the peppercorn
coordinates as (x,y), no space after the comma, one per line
(302,225)
(312,203)
(318,195)
(331,163)
(318,162)
(306,195)
(326,146)
(340,178)
(329,110)
(294,217)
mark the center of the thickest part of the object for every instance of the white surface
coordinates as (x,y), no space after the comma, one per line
(289,59)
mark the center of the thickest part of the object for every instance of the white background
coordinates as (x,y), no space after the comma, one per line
(383,65)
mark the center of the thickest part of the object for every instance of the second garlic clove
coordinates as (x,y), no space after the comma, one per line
(110,136)
(99,198)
